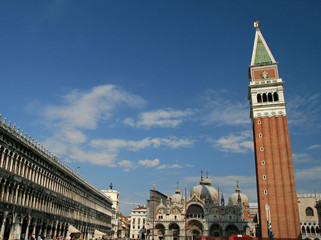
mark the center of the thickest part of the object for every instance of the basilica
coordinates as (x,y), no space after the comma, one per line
(203,213)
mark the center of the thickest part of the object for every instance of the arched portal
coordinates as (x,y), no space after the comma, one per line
(159,231)
(195,211)
(231,229)
(174,231)
(214,230)
(194,228)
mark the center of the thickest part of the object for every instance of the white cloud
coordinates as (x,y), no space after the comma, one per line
(82,111)
(127,165)
(85,109)
(301,158)
(149,163)
(114,145)
(241,143)
(304,110)
(160,118)
(311,174)
(221,110)
(316,146)
(169,166)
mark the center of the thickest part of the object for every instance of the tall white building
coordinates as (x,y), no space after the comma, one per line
(138,222)
(114,196)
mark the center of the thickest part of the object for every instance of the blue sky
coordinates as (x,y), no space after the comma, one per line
(152,92)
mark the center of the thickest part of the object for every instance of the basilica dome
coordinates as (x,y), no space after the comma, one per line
(205,190)
(233,199)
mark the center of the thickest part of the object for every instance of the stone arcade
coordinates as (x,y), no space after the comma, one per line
(41,196)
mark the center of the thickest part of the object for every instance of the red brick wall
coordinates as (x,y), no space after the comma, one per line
(279,182)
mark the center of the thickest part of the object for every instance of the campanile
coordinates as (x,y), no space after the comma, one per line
(277,199)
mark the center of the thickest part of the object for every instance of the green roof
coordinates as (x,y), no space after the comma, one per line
(261,55)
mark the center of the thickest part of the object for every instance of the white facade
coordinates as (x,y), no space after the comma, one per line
(138,222)
(309,215)
(114,196)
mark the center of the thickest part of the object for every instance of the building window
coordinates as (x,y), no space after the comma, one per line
(275,96)
(261,149)
(264,177)
(263,162)
(259,122)
(309,211)
(270,97)
(260,135)
(265,192)
(259,98)
(264,97)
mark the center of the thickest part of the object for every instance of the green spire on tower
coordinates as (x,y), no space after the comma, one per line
(261,55)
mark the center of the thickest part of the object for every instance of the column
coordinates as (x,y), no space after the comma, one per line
(16,228)
(2,227)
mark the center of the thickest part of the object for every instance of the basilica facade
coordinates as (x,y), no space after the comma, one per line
(203,213)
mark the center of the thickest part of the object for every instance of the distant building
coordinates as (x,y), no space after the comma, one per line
(138,222)
(125,225)
(114,196)
(309,219)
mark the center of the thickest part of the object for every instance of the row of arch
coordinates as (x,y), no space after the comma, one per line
(267,97)
(195,228)
(310,230)
(21,194)
(21,226)
(33,170)
(12,162)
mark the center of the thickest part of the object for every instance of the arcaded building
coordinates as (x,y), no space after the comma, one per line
(42,196)
(309,219)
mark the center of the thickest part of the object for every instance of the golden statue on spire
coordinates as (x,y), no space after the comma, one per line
(256,24)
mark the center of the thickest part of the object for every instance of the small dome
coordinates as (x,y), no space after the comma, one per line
(233,199)
(177,197)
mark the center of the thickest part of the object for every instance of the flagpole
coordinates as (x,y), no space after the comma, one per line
(185,214)
(219,211)
(153,212)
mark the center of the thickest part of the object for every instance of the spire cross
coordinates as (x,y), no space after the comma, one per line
(201,174)
(206,174)
(177,183)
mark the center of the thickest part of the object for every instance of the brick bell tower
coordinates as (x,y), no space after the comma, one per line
(277,199)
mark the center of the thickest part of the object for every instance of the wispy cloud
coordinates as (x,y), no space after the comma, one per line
(316,146)
(113,145)
(85,109)
(311,174)
(169,166)
(220,110)
(237,143)
(127,165)
(302,157)
(159,118)
(304,110)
